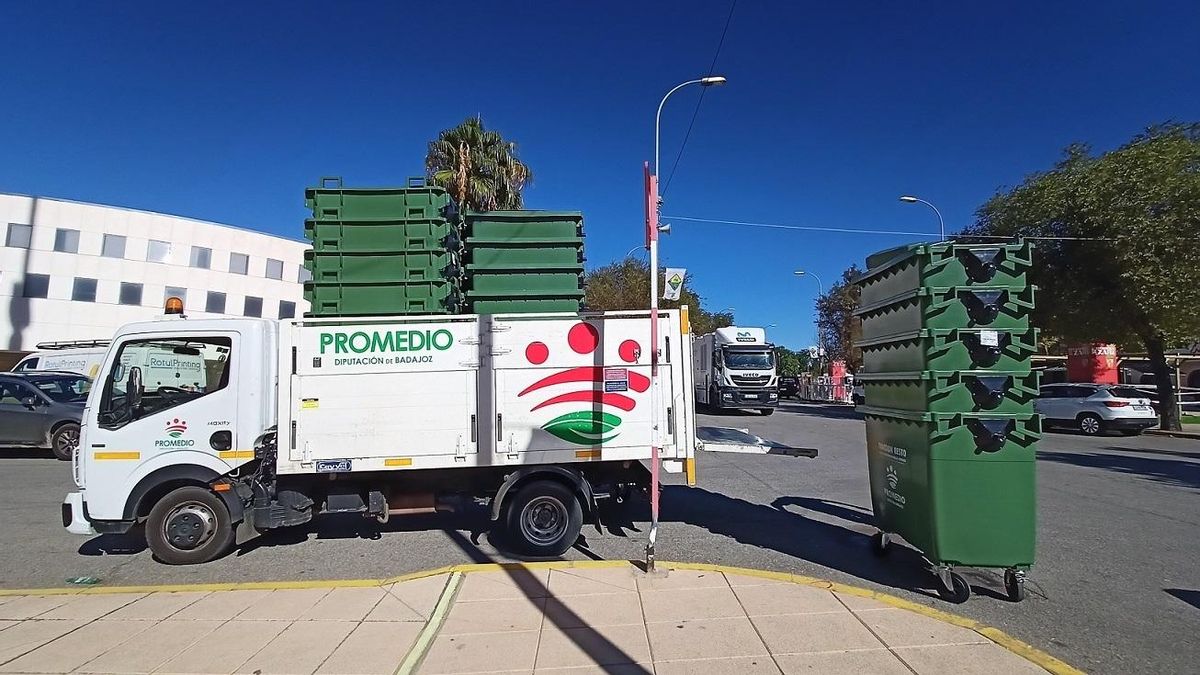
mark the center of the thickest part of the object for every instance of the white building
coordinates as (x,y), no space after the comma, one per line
(74,271)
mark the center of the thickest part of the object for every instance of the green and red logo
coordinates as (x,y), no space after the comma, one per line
(176,427)
(597,385)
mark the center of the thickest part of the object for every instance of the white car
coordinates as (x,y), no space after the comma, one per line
(1096,408)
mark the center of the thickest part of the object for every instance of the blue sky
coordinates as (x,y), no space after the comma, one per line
(226,111)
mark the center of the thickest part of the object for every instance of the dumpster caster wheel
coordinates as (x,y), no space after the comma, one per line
(880,544)
(958,592)
(1014,585)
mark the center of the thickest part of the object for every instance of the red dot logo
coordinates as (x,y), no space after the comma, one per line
(537,353)
(583,338)
(629,351)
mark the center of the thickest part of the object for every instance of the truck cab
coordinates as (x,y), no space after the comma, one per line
(735,368)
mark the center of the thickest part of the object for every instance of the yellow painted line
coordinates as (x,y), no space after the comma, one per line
(398,461)
(236,454)
(1022,649)
(689,468)
(416,653)
(587,454)
(118,455)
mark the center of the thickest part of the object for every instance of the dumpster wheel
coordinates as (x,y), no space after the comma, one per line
(953,587)
(881,543)
(1014,584)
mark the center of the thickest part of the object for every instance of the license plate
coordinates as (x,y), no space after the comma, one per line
(1141,407)
(333,466)
(750,396)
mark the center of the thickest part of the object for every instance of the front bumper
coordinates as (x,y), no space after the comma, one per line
(747,398)
(73,515)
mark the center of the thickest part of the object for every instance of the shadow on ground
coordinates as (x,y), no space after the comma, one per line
(829,411)
(1179,472)
(1190,597)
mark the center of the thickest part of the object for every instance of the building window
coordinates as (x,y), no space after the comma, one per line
(84,290)
(239,263)
(19,236)
(215,304)
(36,286)
(304,275)
(158,251)
(201,257)
(114,246)
(66,241)
(274,268)
(287,310)
(175,292)
(131,294)
(253,306)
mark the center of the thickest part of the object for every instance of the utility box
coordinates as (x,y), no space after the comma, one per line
(949,393)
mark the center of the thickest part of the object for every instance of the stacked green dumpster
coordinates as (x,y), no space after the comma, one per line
(949,393)
(523,261)
(382,251)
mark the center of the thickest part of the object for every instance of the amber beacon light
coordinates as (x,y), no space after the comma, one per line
(174,306)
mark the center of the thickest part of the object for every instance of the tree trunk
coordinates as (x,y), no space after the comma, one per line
(1168,408)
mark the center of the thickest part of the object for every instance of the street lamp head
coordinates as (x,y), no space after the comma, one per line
(908,198)
(799,273)
(712,81)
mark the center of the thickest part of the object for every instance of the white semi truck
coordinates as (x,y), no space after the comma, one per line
(540,416)
(735,368)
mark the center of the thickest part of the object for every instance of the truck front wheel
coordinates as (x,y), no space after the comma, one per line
(188,526)
(545,518)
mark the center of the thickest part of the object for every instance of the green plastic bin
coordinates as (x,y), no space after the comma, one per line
(946,308)
(416,201)
(532,226)
(524,257)
(476,304)
(961,488)
(382,236)
(488,282)
(381,299)
(409,266)
(905,268)
(980,391)
(950,349)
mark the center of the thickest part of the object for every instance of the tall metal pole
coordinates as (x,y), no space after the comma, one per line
(941,223)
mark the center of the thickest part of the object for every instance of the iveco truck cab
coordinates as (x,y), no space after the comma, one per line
(735,368)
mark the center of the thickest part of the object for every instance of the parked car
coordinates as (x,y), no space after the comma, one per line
(1096,408)
(858,395)
(789,386)
(42,410)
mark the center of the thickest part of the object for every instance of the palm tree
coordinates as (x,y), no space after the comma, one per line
(478,167)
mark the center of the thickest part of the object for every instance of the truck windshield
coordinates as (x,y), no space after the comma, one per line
(740,360)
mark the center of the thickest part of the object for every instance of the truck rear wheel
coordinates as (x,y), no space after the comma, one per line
(767,411)
(188,526)
(544,518)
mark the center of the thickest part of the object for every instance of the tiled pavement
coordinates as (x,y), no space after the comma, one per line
(568,620)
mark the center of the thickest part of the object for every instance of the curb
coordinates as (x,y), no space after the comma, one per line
(1173,434)
(999,637)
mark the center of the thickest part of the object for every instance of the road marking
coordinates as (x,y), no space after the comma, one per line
(416,654)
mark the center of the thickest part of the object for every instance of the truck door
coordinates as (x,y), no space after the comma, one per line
(192,412)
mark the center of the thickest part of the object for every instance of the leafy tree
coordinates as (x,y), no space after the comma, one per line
(1121,262)
(792,362)
(626,285)
(478,167)
(838,329)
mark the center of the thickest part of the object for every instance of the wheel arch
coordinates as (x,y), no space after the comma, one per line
(573,480)
(158,483)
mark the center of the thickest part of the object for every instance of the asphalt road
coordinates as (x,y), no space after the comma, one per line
(1116,588)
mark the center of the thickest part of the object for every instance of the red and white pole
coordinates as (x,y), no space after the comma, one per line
(655,397)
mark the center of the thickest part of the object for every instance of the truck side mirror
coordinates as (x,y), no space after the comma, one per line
(133,389)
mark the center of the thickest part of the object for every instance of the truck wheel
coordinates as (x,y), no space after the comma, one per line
(545,518)
(767,411)
(189,526)
(64,440)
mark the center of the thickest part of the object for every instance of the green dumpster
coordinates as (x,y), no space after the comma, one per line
(407,266)
(988,391)
(415,201)
(381,236)
(950,349)
(952,307)
(943,265)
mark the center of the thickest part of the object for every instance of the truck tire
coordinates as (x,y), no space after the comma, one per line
(63,441)
(766,411)
(544,518)
(189,526)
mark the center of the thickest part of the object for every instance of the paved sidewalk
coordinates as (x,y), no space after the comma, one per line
(545,618)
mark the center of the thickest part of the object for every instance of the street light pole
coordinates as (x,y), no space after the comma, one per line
(909,199)
(817,321)
(653,205)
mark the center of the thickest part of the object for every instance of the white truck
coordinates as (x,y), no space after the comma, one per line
(735,368)
(540,416)
(77,356)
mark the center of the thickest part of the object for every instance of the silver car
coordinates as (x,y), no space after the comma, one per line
(42,410)
(1096,408)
